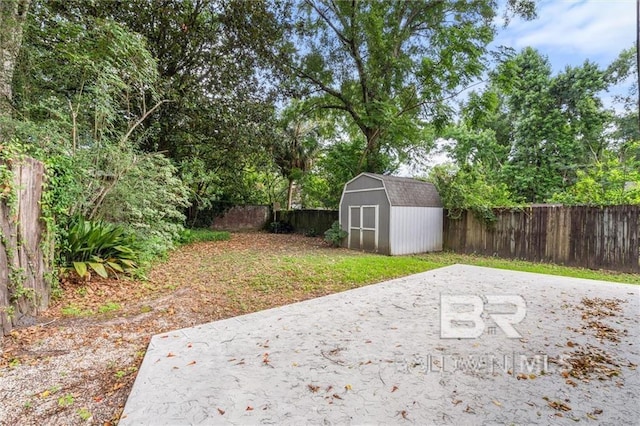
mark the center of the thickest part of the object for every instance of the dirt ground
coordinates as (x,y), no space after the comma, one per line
(73,368)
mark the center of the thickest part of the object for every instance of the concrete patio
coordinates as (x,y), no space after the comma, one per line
(375,355)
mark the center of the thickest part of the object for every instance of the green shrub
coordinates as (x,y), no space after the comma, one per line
(149,200)
(100,246)
(196,235)
(335,234)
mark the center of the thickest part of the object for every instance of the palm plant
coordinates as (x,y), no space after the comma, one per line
(100,246)
(295,151)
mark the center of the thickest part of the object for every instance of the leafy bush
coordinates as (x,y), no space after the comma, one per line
(100,246)
(470,188)
(607,182)
(335,234)
(197,235)
(149,200)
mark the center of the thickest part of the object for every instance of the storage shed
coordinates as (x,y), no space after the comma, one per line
(391,215)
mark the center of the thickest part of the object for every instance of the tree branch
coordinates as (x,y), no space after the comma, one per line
(328,21)
(408,108)
(141,120)
(348,42)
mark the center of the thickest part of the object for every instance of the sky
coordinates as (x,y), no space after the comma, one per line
(569,32)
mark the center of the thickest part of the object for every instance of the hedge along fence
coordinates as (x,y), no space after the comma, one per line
(307,221)
(589,237)
(24,289)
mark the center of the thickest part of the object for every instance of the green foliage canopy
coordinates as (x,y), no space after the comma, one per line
(390,66)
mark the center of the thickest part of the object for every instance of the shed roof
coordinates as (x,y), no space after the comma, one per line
(403,191)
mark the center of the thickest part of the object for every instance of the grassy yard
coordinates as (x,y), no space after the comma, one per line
(306,268)
(447,258)
(249,272)
(340,270)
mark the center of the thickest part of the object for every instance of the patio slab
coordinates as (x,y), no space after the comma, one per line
(375,355)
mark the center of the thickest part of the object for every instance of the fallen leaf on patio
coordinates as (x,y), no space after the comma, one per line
(336,396)
(191,363)
(170,354)
(394,388)
(347,387)
(559,405)
(221,411)
(249,408)
(498,403)
(313,388)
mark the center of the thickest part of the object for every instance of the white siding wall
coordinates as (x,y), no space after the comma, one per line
(415,229)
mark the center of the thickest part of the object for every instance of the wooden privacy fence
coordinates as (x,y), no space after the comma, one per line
(308,221)
(590,237)
(24,291)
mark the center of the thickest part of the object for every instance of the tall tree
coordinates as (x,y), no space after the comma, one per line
(621,72)
(294,151)
(210,61)
(535,129)
(13,14)
(390,66)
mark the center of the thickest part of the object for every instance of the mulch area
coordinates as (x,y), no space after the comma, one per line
(77,365)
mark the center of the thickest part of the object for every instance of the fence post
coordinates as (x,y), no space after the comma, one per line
(24,289)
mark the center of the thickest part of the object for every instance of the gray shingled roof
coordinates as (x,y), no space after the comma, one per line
(409,192)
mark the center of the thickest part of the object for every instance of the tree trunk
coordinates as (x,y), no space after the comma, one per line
(13,14)
(290,194)
(371,154)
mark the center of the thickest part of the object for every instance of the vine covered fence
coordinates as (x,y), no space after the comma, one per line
(24,248)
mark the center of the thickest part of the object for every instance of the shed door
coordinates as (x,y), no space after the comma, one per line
(363,228)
